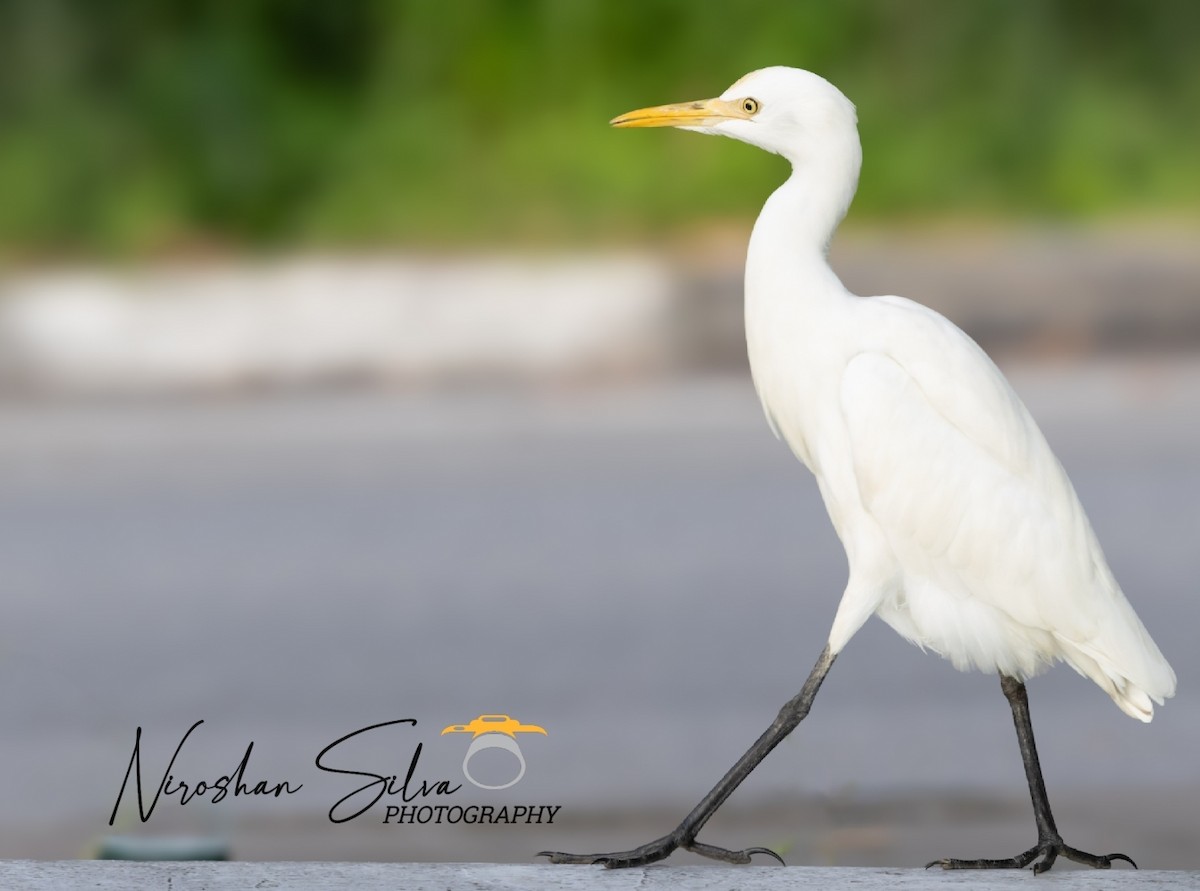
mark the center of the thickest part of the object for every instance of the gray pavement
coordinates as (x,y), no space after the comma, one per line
(643,571)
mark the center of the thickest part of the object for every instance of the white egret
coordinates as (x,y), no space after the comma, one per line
(961,528)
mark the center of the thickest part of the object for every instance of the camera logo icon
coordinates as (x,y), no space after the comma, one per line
(494,732)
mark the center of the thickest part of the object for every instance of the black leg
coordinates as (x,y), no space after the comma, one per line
(1050,844)
(685,833)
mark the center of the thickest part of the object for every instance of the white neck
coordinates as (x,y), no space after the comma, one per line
(792,233)
(789,281)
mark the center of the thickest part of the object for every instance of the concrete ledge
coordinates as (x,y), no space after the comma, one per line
(193,876)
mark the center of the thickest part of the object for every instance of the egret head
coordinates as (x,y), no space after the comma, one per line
(788,111)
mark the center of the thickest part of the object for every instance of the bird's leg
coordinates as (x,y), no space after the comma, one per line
(684,835)
(1050,844)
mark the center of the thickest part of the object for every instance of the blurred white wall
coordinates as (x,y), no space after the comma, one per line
(314,320)
(318,319)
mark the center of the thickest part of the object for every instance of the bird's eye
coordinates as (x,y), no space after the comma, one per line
(750,106)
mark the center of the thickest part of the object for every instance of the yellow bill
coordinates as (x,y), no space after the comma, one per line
(702,113)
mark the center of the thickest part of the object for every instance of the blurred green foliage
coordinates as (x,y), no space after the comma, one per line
(135,126)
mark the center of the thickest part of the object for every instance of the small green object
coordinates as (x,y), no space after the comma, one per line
(181,847)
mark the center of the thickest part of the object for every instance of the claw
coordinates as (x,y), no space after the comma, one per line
(652,852)
(563,857)
(1098,861)
(658,850)
(766,851)
(727,856)
(1047,851)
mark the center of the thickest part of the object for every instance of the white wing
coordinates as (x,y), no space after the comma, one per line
(1000,568)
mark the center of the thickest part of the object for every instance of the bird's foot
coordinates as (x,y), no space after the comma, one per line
(657,850)
(1044,853)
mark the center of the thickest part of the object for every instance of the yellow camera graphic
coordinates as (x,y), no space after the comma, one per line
(494,732)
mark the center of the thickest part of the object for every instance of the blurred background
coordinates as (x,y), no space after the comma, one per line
(352,369)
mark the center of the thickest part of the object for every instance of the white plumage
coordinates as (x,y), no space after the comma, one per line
(961,529)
